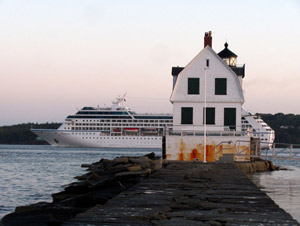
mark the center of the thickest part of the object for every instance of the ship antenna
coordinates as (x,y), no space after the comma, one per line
(124,96)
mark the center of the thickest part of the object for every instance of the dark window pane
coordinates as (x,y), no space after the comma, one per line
(221,86)
(210,116)
(230,118)
(207,62)
(186,115)
(193,86)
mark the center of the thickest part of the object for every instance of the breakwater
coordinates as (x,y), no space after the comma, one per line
(179,193)
(256,166)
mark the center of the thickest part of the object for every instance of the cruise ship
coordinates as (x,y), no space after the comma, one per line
(257,128)
(119,127)
(116,126)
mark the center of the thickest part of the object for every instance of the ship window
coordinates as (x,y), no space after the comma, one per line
(220,86)
(186,115)
(210,116)
(193,85)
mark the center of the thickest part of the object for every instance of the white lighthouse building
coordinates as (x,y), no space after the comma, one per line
(207,100)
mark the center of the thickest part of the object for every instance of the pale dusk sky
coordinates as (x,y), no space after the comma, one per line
(60,55)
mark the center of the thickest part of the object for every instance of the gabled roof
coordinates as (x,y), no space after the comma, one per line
(176,70)
(226,53)
(204,51)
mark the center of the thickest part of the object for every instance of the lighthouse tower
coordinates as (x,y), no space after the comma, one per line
(230,59)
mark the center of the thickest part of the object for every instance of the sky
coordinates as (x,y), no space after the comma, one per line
(57,56)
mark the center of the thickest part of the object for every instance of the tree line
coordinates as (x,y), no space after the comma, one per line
(286,126)
(21,134)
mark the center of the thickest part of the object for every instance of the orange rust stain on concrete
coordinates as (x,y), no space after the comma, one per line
(181,151)
(200,151)
(194,155)
(242,158)
(210,153)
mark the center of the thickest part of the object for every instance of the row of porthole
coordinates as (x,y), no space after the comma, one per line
(116,138)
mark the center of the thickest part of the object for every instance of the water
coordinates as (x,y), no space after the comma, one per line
(31,173)
(282,186)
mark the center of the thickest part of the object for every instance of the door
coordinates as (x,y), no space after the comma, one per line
(230,118)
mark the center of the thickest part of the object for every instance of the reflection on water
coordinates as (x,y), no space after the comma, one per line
(283,187)
(30,174)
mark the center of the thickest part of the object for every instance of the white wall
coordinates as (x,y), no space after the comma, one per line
(217,69)
(198,116)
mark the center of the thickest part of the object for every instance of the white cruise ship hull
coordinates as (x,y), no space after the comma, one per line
(96,139)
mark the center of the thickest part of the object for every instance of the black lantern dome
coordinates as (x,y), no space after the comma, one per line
(228,56)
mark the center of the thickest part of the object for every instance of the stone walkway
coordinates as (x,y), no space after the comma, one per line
(189,193)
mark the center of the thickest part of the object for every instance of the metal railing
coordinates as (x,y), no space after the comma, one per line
(240,150)
(282,151)
(221,147)
(276,150)
(225,131)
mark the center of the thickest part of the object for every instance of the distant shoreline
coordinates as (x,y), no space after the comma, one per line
(286,126)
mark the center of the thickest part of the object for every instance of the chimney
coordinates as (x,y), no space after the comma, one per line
(207,39)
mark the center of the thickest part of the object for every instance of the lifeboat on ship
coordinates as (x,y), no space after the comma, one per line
(149,130)
(131,130)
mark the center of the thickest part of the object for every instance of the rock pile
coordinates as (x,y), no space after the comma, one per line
(256,166)
(104,180)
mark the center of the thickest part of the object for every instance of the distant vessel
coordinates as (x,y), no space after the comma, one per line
(118,126)
(115,126)
(258,129)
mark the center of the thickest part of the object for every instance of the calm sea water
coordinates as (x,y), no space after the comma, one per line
(30,174)
(282,186)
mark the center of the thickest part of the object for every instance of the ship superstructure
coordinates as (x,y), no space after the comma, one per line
(254,125)
(115,126)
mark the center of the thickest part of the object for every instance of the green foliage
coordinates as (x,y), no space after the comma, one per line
(286,126)
(21,134)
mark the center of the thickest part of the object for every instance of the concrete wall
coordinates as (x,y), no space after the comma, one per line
(188,148)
